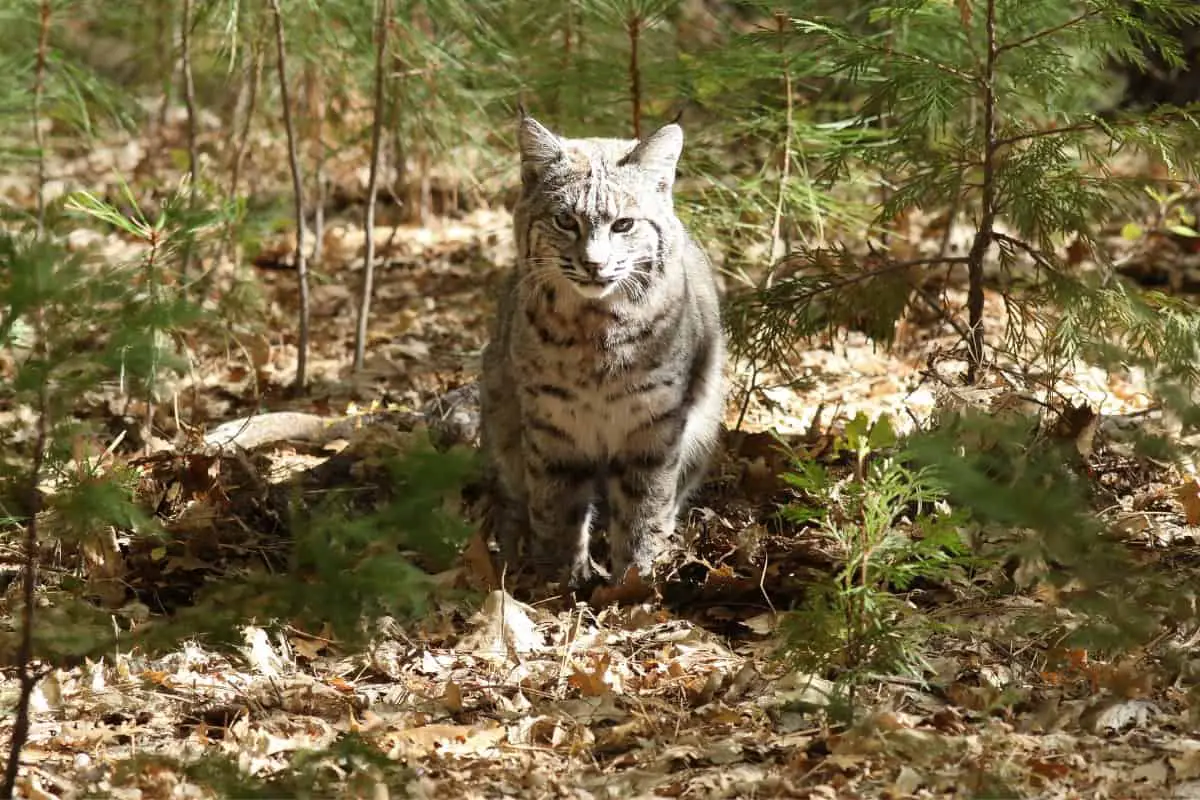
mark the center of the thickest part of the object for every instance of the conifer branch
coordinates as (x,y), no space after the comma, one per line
(1098,123)
(189,99)
(922,60)
(886,269)
(1033,37)
(298,194)
(364,306)
(1031,251)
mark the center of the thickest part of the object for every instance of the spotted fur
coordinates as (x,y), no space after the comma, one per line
(602,388)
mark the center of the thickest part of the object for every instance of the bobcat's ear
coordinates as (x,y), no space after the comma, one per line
(539,148)
(659,153)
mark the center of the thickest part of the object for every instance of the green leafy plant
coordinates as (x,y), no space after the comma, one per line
(888,526)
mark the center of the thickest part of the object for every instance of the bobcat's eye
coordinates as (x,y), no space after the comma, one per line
(623,225)
(566,222)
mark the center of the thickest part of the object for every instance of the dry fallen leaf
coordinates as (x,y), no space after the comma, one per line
(592,682)
(452,699)
(1188,495)
(502,626)
(459,740)
(480,572)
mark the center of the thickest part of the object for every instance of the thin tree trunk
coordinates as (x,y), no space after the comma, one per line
(189,99)
(987,220)
(243,139)
(778,247)
(399,185)
(568,36)
(151,278)
(298,193)
(39,92)
(166,57)
(27,678)
(634,28)
(314,90)
(423,198)
(368,286)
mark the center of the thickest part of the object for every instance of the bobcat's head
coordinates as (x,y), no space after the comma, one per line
(597,212)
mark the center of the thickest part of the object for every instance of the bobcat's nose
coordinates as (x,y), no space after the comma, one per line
(594,269)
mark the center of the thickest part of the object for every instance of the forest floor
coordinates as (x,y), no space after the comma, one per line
(679,695)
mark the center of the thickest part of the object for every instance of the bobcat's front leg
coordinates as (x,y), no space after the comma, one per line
(561,489)
(642,492)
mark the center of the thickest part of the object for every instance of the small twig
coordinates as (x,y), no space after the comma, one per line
(364,306)
(936,306)
(1026,248)
(894,266)
(1096,123)
(762,584)
(1033,37)
(750,387)
(298,193)
(916,59)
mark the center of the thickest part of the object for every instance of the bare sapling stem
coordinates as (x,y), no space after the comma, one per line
(298,197)
(379,111)
(633,26)
(987,219)
(189,99)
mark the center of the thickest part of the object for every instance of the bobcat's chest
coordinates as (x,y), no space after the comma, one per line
(575,374)
(604,418)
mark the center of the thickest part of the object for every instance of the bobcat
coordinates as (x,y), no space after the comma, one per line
(602,389)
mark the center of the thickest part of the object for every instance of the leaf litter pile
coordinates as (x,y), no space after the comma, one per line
(503,691)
